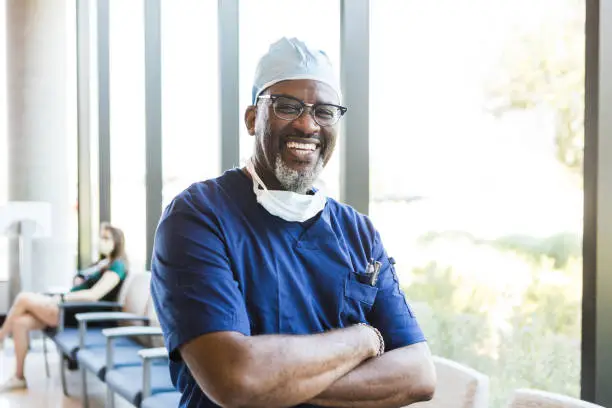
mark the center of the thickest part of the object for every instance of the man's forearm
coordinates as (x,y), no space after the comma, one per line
(395,379)
(278,370)
(292,369)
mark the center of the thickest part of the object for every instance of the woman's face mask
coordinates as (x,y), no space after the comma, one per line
(106,246)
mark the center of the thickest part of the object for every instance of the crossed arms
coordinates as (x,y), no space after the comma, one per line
(336,369)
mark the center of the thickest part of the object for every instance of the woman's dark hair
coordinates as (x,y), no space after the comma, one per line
(119,249)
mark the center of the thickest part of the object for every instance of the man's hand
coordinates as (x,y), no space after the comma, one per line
(234,370)
(397,378)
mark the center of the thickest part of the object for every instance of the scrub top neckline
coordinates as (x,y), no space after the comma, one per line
(302,232)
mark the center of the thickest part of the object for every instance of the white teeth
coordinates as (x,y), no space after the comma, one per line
(302,146)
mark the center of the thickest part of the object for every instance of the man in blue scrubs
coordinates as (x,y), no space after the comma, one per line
(271,294)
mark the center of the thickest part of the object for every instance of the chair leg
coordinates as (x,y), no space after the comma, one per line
(84,386)
(63,373)
(110,398)
(45,352)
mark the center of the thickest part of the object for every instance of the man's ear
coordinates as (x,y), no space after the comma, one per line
(249,119)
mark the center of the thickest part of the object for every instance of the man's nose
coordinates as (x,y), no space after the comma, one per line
(306,123)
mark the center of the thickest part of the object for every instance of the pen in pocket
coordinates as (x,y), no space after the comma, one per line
(376,271)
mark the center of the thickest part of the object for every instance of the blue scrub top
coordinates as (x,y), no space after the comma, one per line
(221,262)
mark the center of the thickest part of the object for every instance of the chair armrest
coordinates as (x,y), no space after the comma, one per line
(101,304)
(132,331)
(84,318)
(149,356)
(109,316)
(126,331)
(154,353)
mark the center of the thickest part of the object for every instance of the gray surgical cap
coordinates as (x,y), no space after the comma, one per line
(289,59)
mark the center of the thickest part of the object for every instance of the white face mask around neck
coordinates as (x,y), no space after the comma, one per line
(287,205)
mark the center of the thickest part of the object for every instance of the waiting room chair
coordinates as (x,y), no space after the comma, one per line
(93,356)
(458,386)
(530,398)
(150,377)
(132,299)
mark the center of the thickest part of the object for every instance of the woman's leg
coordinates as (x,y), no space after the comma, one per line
(40,306)
(21,336)
(15,311)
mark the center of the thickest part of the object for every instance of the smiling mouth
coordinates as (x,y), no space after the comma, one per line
(311,147)
(304,149)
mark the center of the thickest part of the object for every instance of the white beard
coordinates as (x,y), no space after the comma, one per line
(289,179)
(296,181)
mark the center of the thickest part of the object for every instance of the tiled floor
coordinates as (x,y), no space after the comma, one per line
(46,392)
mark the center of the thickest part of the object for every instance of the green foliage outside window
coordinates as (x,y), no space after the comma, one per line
(520,336)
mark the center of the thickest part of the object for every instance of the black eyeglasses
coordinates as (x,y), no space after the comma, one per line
(289,108)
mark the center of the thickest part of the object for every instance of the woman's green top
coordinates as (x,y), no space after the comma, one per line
(118,266)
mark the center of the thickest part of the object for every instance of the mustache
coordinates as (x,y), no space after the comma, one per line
(266,135)
(302,139)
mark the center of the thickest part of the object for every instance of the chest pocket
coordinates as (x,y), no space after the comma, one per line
(358,300)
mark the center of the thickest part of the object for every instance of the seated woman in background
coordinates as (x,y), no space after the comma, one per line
(34,311)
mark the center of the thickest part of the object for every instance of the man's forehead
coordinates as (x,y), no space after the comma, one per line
(310,91)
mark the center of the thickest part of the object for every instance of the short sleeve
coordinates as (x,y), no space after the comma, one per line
(87,283)
(192,284)
(119,268)
(391,314)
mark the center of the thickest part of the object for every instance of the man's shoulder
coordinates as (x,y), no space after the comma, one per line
(344,210)
(348,215)
(203,207)
(207,195)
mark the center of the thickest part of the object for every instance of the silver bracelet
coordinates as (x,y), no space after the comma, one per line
(381,341)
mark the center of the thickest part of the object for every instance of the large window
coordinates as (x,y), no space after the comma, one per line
(127,125)
(94,153)
(476,184)
(263,22)
(71,128)
(3,143)
(190,94)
